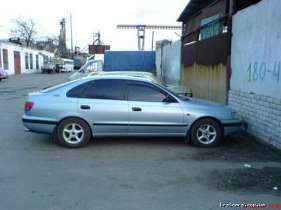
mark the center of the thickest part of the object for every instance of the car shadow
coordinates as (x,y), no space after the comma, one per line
(137,141)
(237,148)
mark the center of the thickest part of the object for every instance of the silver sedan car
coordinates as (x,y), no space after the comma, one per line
(112,105)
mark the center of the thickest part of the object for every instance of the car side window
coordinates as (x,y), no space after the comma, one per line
(144,92)
(110,89)
(77,92)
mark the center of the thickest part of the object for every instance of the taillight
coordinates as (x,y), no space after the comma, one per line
(28,106)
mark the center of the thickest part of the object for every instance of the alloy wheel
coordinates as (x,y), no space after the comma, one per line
(206,134)
(73,133)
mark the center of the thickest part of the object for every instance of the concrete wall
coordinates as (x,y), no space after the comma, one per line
(23,50)
(256,69)
(169,56)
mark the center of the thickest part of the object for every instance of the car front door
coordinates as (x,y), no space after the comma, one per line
(149,114)
(103,104)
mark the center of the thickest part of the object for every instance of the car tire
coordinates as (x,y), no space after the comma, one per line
(206,133)
(73,133)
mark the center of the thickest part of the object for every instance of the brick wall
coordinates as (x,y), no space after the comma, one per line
(261,113)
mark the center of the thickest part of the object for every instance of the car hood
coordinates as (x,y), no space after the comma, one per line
(200,108)
(197,103)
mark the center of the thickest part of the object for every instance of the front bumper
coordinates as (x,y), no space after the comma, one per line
(233,127)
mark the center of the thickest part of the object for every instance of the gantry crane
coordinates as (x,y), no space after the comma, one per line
(141,31)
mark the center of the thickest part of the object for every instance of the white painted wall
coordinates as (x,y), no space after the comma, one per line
(256,44)
(13,47)
(256,70)
(170,58)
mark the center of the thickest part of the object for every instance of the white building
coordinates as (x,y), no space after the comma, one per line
(16,59)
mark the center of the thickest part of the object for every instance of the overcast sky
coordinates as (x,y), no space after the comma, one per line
(91,16)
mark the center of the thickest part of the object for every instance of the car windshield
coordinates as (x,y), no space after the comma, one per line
(165,87)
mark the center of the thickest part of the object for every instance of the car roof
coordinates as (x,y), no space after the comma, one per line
(126,73)
(112,76)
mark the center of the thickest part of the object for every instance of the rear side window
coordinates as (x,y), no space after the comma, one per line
(77,92)
(146,93)
(109,89)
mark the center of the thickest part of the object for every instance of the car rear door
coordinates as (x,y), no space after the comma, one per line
(149,114)
(103,104)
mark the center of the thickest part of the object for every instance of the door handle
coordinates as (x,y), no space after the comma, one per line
(136,109)
(85,107)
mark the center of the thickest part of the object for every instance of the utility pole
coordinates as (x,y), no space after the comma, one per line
(141,37)
(152,40)
(62,49)
(71,37)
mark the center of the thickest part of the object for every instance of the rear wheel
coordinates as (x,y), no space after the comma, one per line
(73,133)
(206,133)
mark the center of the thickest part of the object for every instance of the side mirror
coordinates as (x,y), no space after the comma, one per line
(169,99)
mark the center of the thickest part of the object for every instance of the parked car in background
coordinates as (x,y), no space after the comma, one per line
(114,105)
(3,74)
(142,74)
(89,67)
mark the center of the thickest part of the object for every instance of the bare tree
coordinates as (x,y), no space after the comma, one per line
(25,29)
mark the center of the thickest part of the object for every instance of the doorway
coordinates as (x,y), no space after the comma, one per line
(17,62)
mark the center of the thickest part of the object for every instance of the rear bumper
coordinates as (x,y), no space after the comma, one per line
(39,125)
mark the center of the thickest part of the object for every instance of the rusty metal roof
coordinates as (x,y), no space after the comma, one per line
(193,7)
(241,4)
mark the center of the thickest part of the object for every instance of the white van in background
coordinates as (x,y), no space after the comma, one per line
(67,65)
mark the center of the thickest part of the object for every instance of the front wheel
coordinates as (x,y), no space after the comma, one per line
(73,133)
(206,133)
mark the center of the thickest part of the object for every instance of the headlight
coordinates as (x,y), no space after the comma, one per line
(236,116)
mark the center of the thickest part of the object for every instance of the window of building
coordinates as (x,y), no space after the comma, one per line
(5,59)
(31,60)
(37,61)
(211,28)
(45,59)
(26,61)
(146,93)
(108,89)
